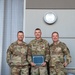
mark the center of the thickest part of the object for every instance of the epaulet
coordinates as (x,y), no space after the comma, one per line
(13,43)
(63,43)
(32,41)
(45,40)
(25,43)
(51,44)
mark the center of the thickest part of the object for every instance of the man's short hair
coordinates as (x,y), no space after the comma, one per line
(56,33)
(37,29)
(20,32)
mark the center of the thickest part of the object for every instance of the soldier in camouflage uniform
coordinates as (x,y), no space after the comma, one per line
(17,56)
(60,56)
(38,46)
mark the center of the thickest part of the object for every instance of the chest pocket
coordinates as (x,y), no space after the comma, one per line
(16,50)
(24,51)
(41,49)
(19,50)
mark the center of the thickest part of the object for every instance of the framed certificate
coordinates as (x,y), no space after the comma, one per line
(38,59)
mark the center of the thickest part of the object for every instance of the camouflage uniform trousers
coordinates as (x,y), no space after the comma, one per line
(59,69)
(39,70)
(19,70)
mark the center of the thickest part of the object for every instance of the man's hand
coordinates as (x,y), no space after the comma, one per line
(33,64)
(65,64)
(44,64)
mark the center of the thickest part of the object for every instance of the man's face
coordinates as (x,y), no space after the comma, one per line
(37,34)
(55,37)
(20,36)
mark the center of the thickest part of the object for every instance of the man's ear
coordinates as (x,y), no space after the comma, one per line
(41,33)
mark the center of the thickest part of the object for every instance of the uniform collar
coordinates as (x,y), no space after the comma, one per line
(39,40)
(20,44)
(56,43)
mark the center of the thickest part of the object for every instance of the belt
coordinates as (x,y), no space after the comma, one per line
(51,66)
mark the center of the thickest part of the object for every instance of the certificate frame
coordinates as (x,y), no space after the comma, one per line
(38,59)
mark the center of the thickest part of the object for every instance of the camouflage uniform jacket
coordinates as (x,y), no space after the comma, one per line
(58,52)
(17,54)
(38,47)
